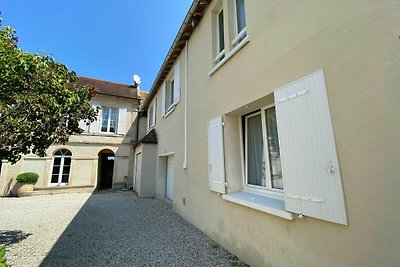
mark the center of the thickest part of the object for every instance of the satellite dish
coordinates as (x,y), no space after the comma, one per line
(137,79)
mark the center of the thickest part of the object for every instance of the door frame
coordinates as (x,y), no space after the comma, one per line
(134,180)
(170,182)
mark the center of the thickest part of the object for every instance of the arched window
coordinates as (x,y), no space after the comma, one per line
(61,166)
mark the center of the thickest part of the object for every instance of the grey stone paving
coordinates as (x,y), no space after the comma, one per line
(103,229)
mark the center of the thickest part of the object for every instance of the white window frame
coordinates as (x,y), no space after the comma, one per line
(233,40)
(220,53)
(239,36)
(62,164)
(169,94)
(151,114)
(268,189)
(108,120)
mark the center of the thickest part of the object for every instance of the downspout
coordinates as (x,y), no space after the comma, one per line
(137,125)
(186,108)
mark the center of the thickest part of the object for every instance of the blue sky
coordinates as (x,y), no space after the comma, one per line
(109,40)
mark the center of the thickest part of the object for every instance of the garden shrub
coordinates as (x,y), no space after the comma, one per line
(28,177)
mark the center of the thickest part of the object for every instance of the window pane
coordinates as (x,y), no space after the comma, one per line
(150,116)
(113,120)
(104,119)
(240,14)
(221,44)
(255,153)
(113,114)
(57,161)
(66,170)
(172,91)
(67,152)
(168,95)
(67,161)
(54,179)
(112,126)
(56,170)
(64,179)
(273,149)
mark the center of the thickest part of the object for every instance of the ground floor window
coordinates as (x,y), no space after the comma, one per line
(288,133)
(262,155)
(61,166)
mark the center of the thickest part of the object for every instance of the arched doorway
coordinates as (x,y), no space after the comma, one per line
(106,169)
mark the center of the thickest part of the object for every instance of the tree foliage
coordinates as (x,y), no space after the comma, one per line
(39,102)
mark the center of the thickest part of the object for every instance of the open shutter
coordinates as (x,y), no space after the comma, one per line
(163,99)
(94,126)
(121,120)
(216,163)
(177,82)
(82,125)
(310,167)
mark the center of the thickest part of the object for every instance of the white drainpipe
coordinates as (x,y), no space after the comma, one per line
(186,108)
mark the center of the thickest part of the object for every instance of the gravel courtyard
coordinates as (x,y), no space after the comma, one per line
(103,229)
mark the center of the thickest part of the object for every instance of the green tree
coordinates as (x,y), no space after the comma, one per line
(39,102)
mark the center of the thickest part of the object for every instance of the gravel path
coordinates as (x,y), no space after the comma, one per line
(103,229)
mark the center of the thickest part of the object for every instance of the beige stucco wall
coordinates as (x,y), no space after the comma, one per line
(85,149)
(356,43)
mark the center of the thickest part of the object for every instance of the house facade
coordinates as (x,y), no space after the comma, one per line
(259,130)
(97,158)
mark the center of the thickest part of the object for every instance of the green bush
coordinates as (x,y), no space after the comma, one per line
(3,256)
(28,177)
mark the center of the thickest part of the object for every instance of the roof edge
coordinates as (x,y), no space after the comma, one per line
(190,22)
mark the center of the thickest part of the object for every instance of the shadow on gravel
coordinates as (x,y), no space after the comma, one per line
(119,229)
(12,237)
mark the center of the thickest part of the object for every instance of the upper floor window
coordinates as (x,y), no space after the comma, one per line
(228,30)
(220,45)
(169,94)
(151,114)
(240,25)
(109,120)
(171,90)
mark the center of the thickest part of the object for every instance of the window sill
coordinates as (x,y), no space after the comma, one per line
(262,203)
(229,55)
(108,133)
(104,134)
(170,110)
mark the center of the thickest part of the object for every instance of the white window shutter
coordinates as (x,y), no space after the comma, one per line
(177,82)
(121,120)
(94,126)
(163,99)
(310,167)
(82,125)
(216,162)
